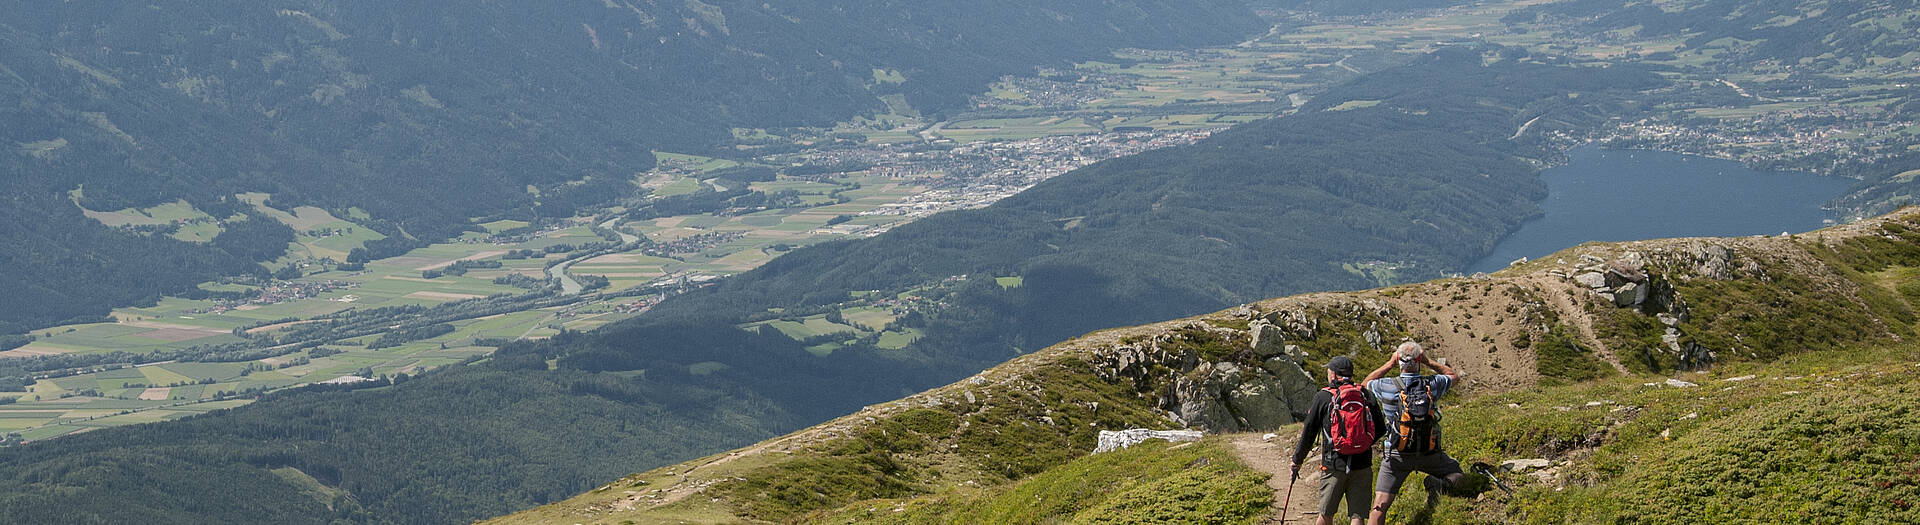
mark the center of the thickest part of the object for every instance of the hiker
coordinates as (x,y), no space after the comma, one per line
(1412,439)
(1349,418)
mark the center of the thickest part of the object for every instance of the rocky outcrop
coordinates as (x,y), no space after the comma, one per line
(1218,379)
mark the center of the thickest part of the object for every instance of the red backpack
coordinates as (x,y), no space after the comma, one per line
(1353,430)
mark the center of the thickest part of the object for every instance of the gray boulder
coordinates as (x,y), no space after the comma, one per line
(1629,294)
(1591,280)
(1295,385)
(1200,407)
(1260,405)
(1268,340)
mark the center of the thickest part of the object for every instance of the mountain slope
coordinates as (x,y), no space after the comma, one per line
(383,107)
(1109,245)
(1532,336)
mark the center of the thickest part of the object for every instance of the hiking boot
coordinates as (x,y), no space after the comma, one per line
(1434,488)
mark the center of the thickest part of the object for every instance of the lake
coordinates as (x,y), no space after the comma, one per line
(1625,195)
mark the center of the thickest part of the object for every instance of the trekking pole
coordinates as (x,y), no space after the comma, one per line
(1487,470)
(1289,501)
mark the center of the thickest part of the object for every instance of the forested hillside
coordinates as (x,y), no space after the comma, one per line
(421,117)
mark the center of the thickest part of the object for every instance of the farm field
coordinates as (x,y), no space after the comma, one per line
(161,391)
(720,245)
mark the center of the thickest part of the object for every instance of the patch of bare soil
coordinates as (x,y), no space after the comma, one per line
(1272,457)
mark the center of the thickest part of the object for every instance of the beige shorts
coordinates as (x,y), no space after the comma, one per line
(1356,486)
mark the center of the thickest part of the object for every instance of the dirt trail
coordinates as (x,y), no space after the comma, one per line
(1272,457)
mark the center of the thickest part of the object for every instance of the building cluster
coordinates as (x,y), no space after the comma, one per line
(1777,138)
(692,243)
(978,174)
(275,292)
(1040,92)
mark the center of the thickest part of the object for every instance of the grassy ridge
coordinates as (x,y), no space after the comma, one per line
(1827,438)
(1155,482)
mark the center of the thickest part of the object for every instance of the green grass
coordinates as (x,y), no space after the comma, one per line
(1354,104)
(891,340)
(868,318)
(1559,357)
(682,186)
(503,225)
(706,367)
(888,76)
(812,326)
(922,451)
(1154,482)
(1826,437)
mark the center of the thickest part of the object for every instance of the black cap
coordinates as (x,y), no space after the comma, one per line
(1341,366)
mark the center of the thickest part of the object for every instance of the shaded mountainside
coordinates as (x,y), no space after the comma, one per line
(1561,359)
(382,106)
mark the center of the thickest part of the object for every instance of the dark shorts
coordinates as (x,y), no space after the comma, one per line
(1395,469)
(1352,486)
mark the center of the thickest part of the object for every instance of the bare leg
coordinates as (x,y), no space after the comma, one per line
(1325,520)
(1381,502)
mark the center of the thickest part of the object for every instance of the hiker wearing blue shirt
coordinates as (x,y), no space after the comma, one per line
(1412,437)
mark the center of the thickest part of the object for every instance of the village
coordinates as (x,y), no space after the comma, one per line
(1811,139)
(977,174)
(275,292)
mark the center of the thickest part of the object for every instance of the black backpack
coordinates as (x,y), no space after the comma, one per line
(1419,428)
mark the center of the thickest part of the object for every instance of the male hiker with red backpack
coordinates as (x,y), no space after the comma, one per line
(1349,418)
(1412,436)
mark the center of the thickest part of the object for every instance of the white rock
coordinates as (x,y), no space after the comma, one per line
(1679,384)
(1591,280)
(1741,378)
(1519,465)
(1269,436)
(1111,440)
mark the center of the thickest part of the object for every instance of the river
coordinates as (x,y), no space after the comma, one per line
(1623,195)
